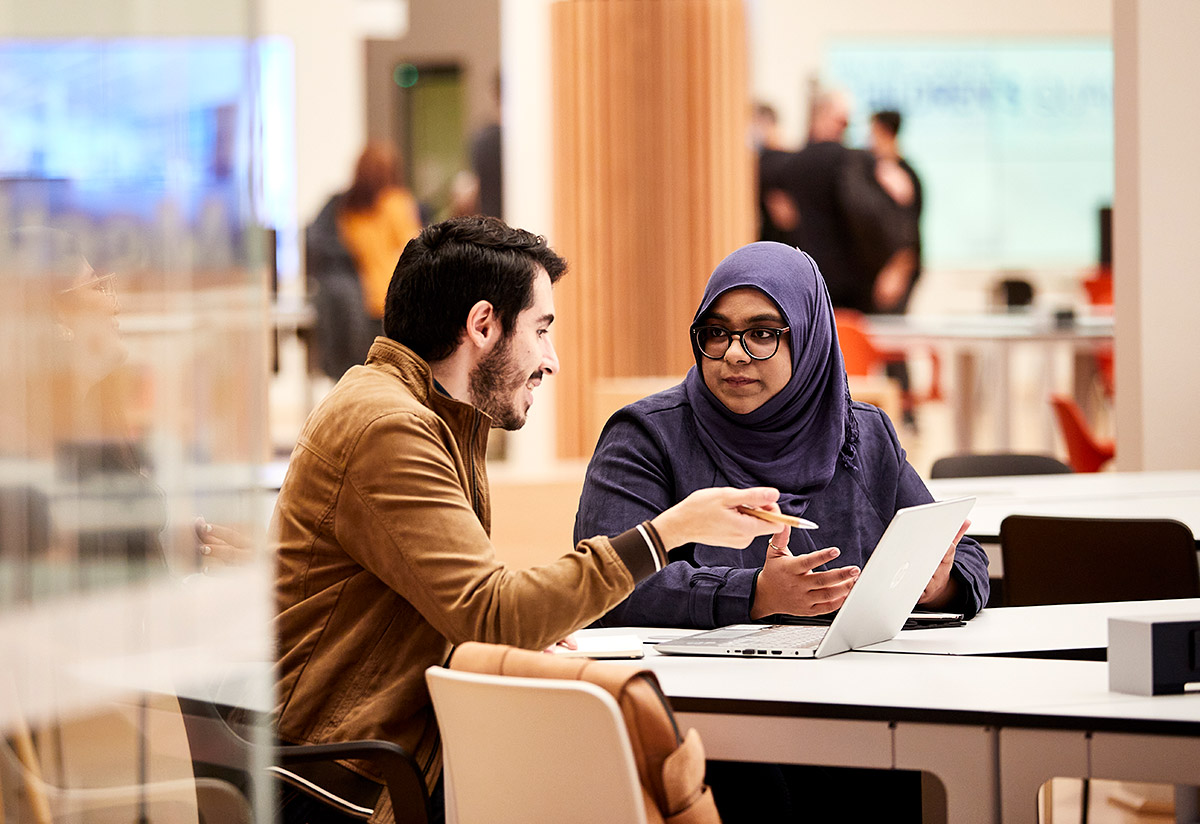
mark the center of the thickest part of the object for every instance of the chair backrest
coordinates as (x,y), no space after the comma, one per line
(1013,293)
(1099,289)
(1085,452)
(487,726)
(533,749)
(997,463)
(1083,560)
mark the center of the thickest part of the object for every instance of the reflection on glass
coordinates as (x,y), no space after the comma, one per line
(75,482)
(134,587)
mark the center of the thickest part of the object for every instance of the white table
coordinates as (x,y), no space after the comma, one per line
(968,337)
(993,729)
(1087,495)
(1063,629)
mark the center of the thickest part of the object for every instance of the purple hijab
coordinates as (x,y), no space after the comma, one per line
(793,441)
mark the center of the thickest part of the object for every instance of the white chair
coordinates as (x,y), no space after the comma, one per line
(533,749)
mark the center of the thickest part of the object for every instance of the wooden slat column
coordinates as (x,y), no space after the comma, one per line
(653,185)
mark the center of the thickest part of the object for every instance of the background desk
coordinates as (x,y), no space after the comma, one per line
(1060,630)
(969,337)
(1089,495)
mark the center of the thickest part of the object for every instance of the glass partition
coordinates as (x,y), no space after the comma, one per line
(136,237)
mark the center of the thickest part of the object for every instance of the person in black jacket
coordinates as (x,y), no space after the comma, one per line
(894,286)
(827,198)
(343,331)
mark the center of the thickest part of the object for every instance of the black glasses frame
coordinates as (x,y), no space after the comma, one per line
(740,334)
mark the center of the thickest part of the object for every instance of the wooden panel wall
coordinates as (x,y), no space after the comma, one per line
(653,185)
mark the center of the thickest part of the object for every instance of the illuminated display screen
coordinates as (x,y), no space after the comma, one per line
(146,132)
(1013,142)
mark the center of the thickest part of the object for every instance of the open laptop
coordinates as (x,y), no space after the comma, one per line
(885,593)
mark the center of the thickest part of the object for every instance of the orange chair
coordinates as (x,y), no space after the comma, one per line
(1099,290)
(861,355)
(1085,452)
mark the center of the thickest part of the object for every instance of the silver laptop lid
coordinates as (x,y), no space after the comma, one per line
(895,575)
(884,595)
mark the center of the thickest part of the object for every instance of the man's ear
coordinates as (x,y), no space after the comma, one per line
(483,325)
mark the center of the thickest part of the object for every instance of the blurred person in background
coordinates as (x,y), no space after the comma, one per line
(80,512)
(97,517)
(772,157)
(377,217)
(487,161)
(900,181)
(480,189)
(894,285)
(351,249)
(66,406)
(826,198)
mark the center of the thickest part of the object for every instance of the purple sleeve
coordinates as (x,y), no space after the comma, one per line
(629,480)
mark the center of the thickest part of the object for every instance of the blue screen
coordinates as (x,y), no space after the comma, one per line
(146,136)
(1013,142)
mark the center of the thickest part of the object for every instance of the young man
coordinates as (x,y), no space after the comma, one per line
(382,521)
(900,181)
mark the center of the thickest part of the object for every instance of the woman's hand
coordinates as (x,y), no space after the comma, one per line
(789,584)
(942,588)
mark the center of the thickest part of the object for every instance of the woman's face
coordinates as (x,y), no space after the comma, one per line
(740,382)
(88,310)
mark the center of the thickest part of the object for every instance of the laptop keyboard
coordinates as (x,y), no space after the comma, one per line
(788,637)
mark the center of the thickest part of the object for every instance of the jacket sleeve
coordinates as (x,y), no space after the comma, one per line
(404,515)
(630,479)
(880,227)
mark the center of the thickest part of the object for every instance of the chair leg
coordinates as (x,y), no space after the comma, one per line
(31,773)
(1084,797)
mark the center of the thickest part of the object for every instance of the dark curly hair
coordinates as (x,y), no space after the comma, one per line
(452,265)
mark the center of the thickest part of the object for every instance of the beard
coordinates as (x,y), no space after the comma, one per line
(494,383)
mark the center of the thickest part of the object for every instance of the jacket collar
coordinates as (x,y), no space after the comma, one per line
(397,359)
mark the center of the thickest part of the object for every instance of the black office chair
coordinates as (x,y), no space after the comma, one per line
(1013,293)
(997,463)
(1050,560)
(978,465)
(220,749)
(1085,560)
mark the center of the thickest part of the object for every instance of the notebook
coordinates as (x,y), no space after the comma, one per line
(887,589)
(602,646)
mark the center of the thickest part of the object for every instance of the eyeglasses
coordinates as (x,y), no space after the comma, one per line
(104,284)
(759,342)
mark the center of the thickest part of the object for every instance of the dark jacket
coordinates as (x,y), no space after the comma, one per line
(650,456)
(343,330)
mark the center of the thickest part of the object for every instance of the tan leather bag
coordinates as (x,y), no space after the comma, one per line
(670,765)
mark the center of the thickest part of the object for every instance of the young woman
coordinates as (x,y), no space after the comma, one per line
(767,404)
